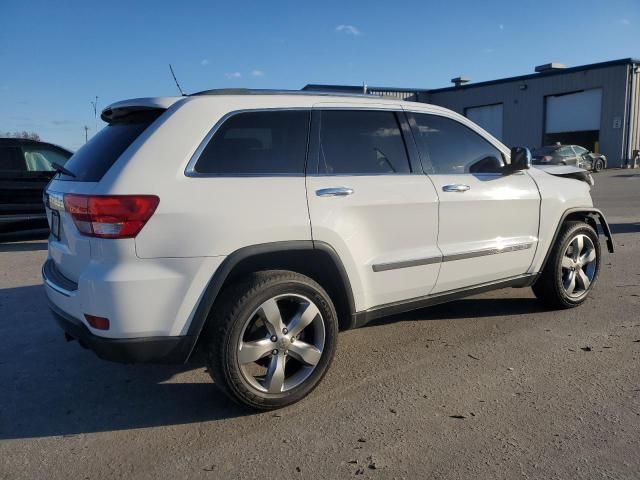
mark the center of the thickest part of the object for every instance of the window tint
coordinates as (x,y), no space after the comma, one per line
(361,142)
(579,150)
(39,159)
(258,143)
(11,159)
(454,148)
(95,158)
(566,152)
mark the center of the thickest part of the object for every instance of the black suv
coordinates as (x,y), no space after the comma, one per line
(574,155)
(25,170)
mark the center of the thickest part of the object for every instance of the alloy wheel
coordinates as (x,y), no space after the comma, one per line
(579,263)
(281,343)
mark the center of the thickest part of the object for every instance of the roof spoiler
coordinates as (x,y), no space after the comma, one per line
(119,110)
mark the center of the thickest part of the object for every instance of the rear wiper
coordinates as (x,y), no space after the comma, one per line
(60,169)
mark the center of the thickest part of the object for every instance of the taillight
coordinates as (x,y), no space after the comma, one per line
(110,216)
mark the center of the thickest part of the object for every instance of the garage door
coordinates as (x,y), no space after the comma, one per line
(574,118)
(488,117)
(574,112)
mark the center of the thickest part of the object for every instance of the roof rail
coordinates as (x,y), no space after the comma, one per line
(250,91)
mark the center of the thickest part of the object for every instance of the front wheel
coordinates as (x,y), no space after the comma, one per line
(271,339)
(572,268)
(598,165)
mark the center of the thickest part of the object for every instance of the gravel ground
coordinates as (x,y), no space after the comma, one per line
(492,386)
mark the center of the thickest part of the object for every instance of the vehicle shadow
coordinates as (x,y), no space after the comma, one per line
(23,236)
(625,227)
(24,246)
(51,387)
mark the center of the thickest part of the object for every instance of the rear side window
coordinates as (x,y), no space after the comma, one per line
(453,148)
(96,157)
(361,142)
(11,159)
(258,143)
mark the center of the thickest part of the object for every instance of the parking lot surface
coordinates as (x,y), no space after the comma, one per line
(492,386)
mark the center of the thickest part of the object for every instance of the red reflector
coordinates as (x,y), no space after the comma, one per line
(100,323)
(110,216)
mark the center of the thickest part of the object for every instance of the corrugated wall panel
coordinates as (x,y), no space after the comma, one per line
(524,105)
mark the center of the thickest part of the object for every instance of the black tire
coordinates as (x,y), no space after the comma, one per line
(598,165)
(229,318)
(549,286)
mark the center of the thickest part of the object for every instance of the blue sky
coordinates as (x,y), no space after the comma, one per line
(55,57)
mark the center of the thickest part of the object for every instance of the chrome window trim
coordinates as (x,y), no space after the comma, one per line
(516,247)
(190,171)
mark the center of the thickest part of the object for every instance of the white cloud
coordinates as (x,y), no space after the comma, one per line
(501,26)
(233,75)
(348,29)
(257,73)
(488,50)
(625,21)
(204,62)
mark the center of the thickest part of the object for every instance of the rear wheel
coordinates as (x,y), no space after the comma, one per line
(572,268)
(271,339)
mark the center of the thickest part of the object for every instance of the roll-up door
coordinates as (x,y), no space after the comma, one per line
(574,118)
(488,117)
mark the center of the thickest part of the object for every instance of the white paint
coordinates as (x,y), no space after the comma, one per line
(152,285)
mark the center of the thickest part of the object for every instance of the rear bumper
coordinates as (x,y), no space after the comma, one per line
(167,350)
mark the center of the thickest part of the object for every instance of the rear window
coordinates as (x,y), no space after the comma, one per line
(96,157)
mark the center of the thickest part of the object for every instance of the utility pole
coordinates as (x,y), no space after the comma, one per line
(94,104)
(86,134)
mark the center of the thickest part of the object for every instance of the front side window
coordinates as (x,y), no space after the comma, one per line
(257,143)
(453,148)
(39,159)
(361,142)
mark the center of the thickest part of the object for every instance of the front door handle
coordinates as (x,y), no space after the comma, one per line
(456,187)
(334,192)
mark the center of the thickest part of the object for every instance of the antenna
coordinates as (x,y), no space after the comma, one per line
(94,104)
(176,80)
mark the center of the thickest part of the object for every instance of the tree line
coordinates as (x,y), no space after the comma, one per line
(23,134)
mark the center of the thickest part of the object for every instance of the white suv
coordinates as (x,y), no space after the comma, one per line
(253,226)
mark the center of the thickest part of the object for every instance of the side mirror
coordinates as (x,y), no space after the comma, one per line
(520,159)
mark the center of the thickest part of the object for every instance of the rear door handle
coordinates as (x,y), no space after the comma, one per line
(334,192)
(456,187)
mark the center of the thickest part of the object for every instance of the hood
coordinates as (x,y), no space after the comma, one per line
(567,171)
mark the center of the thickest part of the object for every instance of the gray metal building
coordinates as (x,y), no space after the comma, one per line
(596,106)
